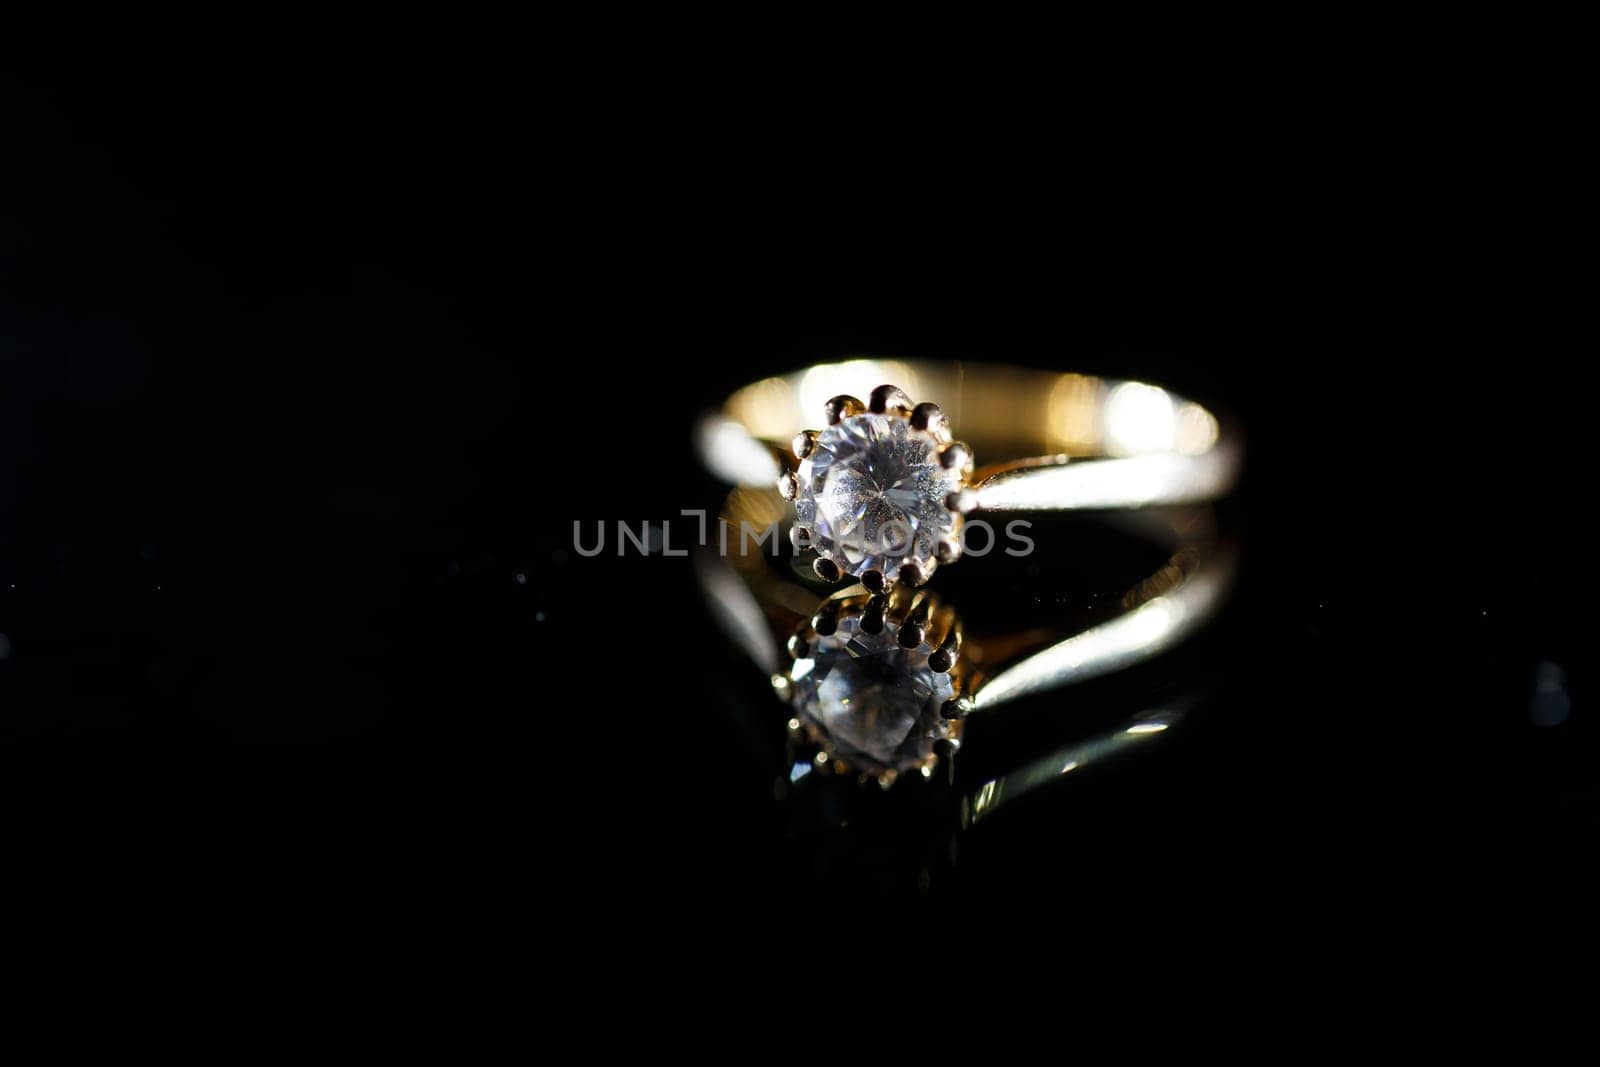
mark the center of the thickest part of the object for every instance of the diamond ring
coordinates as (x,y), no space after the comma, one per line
(883,490)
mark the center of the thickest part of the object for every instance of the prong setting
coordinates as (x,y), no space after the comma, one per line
(931,417)
(842,407)
(889,400)
(915,627)
(957,456)
(945,656)
(825,622)
(868,664)
(962,500)
(848,517)
(874,615)
(956,708)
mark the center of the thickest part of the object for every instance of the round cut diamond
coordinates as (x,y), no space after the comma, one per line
(872,494)
(871,703)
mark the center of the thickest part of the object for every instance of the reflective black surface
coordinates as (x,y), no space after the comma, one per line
(300,404)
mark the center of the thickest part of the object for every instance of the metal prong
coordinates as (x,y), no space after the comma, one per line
(842,407)
(931,417)
(940,623)
(902,598)
(915,574)
(945,656)
(795,729)
(826,569)
(800,537)
(949,551)
(797,646)
(788,485)
(915,627)
(886,779)
(875,581)
(956,456)
(872,617)
(782,686)
(962,500)
(825,622)
(805,443)
(956,707)
(889,398)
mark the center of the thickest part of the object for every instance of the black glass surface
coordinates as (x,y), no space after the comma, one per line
(302,399)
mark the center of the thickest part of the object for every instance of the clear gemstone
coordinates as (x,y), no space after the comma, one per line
(872,494)
(874,704)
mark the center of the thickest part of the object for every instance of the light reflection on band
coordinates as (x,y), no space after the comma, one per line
(989,796)
(1110,646)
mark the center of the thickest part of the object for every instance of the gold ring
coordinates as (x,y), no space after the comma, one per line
(883,492)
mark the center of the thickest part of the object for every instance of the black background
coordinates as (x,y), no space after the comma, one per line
(295,383)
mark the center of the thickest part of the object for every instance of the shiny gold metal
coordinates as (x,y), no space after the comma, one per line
(787,485)
(889,400)
(842,407)
(826,569)
(941,621)
(901,599)
(949,650)
(962,500)
(825,621)
(956,456)
(873,614)
(957,707)
(1051,441)
(804,443)
(914,629)
(930,416)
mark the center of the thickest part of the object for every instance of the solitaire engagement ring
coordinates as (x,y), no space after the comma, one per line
(883,492)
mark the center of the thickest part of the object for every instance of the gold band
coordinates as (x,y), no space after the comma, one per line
(1045,440)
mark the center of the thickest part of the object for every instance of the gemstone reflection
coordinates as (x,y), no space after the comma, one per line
(870,702)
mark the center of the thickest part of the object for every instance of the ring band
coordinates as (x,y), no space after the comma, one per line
(1050,441)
